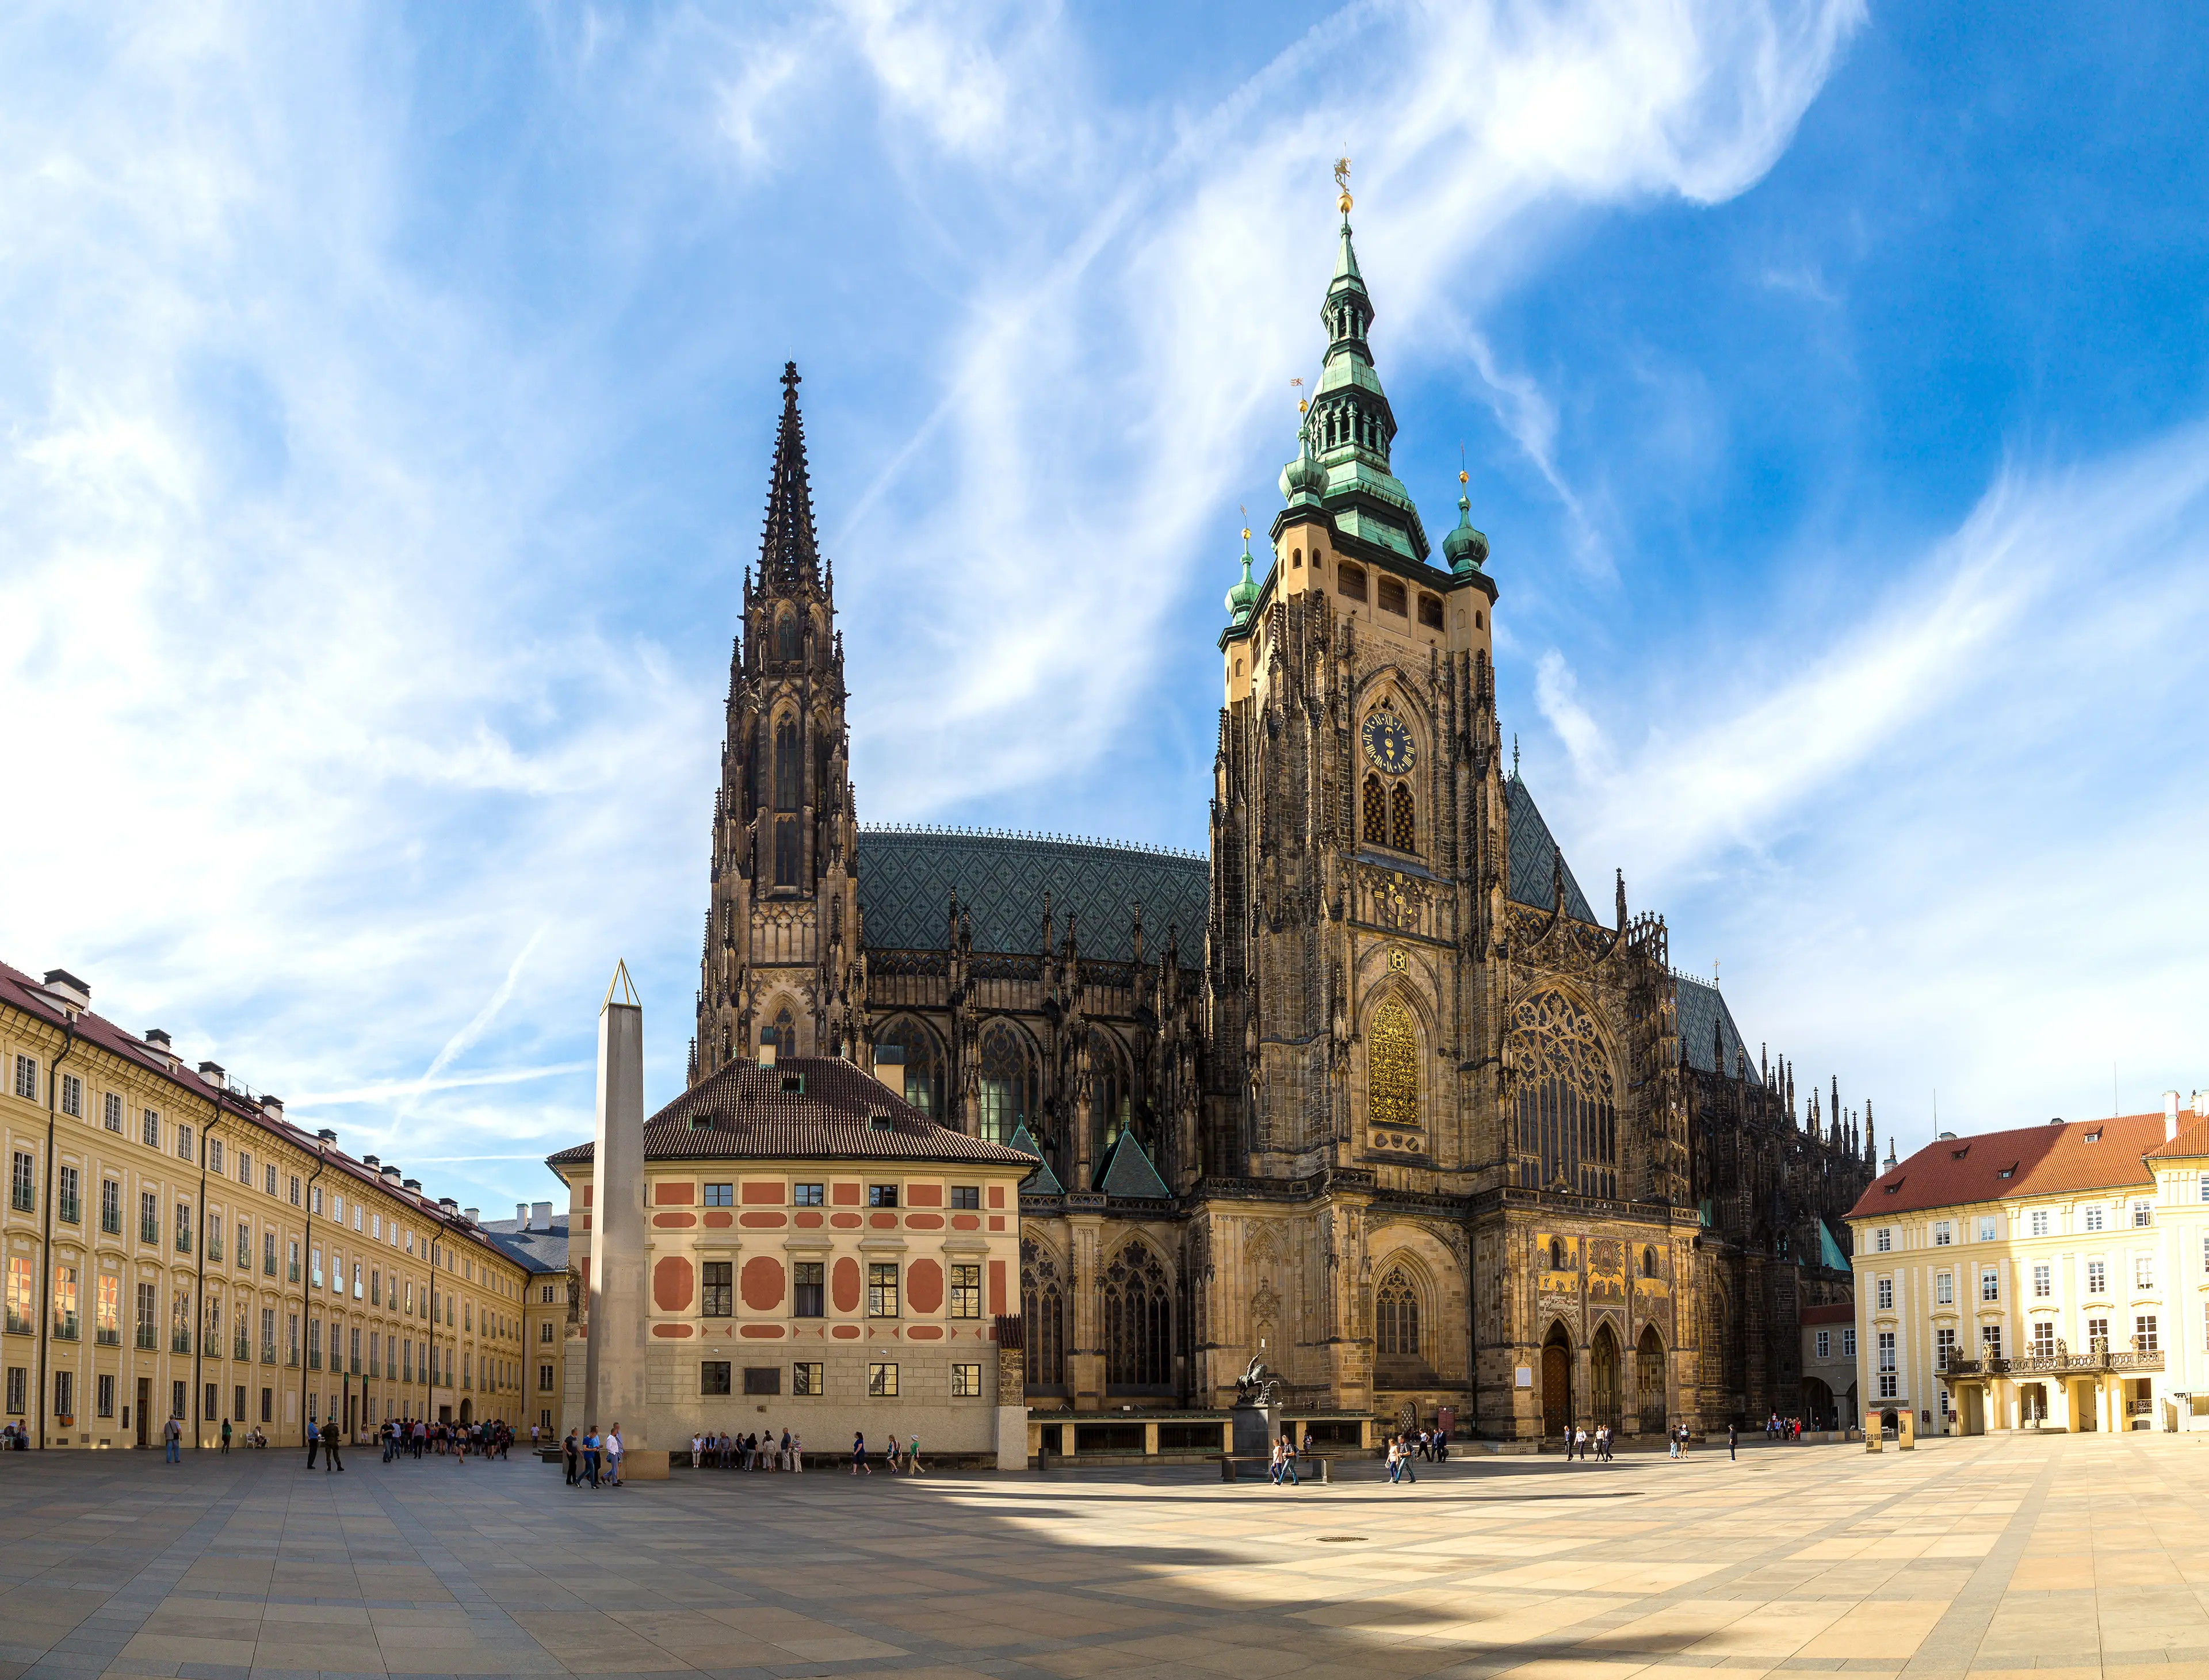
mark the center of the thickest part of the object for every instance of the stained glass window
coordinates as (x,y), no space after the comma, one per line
(1043,1309)
(1137,1320)
(1391,1054)
(1567,1114)
(1396,1317)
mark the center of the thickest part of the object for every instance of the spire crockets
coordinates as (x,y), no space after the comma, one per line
(788,552)
(1350,430)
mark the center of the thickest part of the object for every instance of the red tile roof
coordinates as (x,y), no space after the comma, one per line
(18,991)
(804,1108)
(2192,1142)
(2030,1161)
(1840,1312)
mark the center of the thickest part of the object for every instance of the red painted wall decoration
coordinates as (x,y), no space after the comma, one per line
(844,1285)
(670,1196)
(996,1287)
(924,1285)
(762,1283)
(670,1284)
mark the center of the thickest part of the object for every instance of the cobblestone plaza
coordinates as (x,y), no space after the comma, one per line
(1982,1556)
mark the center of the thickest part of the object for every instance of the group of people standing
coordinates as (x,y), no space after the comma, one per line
(413,1436)
(755,1451)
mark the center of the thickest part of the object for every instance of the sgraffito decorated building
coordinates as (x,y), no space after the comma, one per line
(1370,1091)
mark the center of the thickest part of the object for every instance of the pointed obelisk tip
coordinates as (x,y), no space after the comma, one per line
(620,993)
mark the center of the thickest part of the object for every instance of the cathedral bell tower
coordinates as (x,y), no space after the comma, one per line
(781,959)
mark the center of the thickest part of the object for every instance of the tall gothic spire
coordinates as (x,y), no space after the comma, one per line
(788,552)
(1351,430)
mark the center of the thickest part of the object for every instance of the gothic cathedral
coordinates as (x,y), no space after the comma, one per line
(1368,1092)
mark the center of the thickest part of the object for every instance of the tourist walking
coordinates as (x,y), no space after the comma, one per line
(572,1452)
(172,1437)
(912,1455)
(614,1451)
(1733,1443)
(859,1455)
(330,1440)
(226,1435)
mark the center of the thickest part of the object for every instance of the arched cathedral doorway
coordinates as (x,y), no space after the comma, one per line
(1603,1377)
(1649,1379)
(1557,1383)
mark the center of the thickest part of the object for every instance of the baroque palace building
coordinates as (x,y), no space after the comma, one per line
(1368,1092)
(173,1247)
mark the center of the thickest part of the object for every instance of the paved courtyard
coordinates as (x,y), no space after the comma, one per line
(2064,1554)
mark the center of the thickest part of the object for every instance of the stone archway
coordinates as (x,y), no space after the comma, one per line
(1603,1377)
(1649,1380)
(1557,1383)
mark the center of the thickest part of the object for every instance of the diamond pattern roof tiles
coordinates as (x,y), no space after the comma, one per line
(907,878)
(1533,848)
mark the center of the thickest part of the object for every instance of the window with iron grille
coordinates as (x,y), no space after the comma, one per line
(183,1227)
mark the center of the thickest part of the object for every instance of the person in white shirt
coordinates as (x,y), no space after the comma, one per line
(614,1451)
(697,1449)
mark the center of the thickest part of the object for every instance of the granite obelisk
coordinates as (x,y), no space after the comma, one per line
(614,1389)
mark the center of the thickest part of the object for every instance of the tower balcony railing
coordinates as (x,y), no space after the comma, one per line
(2098,1359)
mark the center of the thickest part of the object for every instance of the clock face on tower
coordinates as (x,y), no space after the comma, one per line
(1388,743)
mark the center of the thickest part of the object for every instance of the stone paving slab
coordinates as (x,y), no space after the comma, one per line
(2006,1556)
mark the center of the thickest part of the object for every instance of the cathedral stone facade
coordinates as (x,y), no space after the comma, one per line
(1368,1092)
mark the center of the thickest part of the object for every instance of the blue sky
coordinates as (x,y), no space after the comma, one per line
(388,395)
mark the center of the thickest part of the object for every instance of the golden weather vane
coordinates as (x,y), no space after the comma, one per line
(1297,385)
(1342,180)
(1246,523)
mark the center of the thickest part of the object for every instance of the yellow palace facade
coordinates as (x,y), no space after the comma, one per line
(174,1248)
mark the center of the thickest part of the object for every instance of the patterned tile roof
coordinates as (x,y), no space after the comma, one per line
(907,876)
(2048,1159)
(804,1108)
(539,1249)
(1130,1173)
(1702,1005)
(1043,1181)
(1532,850)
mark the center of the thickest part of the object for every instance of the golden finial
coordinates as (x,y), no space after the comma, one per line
(1342,180)
(1460,464)
(1245,512)
(1299,386)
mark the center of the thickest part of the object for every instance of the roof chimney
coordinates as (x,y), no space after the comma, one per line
(371,1161)
(2169,1116)
(391,1171)
(2201,1104)
(449,1205)
(767,1049)
(473,1215)
(74,995)
(327,1134)
(414,1184)
(156,1038)
(273,1106)
(212,1073)
(541,1215)
(521,1215)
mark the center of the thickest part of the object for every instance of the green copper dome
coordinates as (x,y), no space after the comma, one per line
(1465,548)
(1242,597)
